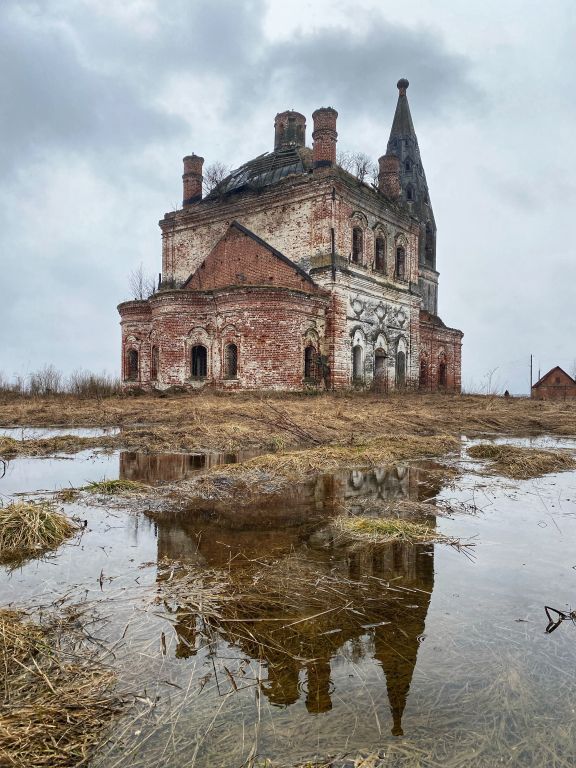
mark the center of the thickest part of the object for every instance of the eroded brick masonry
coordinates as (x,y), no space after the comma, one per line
(293,273)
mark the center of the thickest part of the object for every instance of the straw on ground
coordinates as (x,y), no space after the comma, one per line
(31,528)
(54,704)
(522,463)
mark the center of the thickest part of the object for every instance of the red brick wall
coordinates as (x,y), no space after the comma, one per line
(238,259)
(556,385)
(440,345)
(268,325)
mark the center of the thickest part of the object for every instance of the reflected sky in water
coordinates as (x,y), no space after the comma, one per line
(317,646)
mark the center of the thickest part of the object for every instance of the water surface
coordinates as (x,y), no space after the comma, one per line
(268,635)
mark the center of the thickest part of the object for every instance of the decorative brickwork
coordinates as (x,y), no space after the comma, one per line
(292,273)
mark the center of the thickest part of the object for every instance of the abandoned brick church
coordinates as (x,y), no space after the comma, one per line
(293,273)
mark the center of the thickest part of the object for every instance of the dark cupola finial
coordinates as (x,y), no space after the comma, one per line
(402,85)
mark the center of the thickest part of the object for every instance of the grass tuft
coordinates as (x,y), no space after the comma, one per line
(115,487)
(522,463)
(30,528)
(380,529)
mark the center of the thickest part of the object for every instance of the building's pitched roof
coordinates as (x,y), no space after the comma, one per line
(552,371)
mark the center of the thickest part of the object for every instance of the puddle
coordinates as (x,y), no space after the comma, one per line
(269,636)
(41,433)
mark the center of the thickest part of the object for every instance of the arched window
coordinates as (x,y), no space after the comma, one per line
(199,362)
(154,361)
(357,367)
(407,164)
(410,193)
(423,373)
(429,245)
(379,362)
(400,263)
(400,369)
(132,367)
(357,245)
(231,361)
(310,363)
(379,254)
(442,372)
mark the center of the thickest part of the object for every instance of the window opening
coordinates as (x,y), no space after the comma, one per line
(442,370)
(357,363)
(199,362)
(155,358)
(400,369)
(231,361)
(310,363)
(409,193)
(379,255)
(379,362)
(132,365)
(357,245)
(423,373)
(400,263)
(429,245)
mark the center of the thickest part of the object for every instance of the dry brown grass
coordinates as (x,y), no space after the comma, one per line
(267,421)
(378,452)
(54,703)
(522,463)
(115,487)
(31,528)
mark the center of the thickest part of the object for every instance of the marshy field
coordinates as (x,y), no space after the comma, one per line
(287,581)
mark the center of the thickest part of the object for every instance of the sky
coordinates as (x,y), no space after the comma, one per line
(100,100)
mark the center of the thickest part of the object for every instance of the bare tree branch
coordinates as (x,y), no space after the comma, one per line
(213,174)
(142,286)
(359,165)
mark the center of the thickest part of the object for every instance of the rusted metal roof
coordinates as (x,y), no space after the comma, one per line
(265,170)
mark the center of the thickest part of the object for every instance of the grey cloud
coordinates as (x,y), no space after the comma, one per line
(359,71)
(50,98)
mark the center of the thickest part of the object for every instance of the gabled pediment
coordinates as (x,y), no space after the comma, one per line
(242,258)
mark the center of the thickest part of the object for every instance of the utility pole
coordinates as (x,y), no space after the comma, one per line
(530,390)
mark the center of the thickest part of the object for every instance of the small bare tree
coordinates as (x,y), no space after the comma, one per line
(359,165)
(142,286)
(213,174)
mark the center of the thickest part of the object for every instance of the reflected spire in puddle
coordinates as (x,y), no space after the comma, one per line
(296,597)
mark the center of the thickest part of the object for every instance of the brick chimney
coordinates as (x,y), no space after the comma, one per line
(192,179)
(389,176)
(324,137)
(289,130)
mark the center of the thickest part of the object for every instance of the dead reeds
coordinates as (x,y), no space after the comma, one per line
(389,450)
(522,463)
(115,487)
(55,703)
(379,530)
(31,528)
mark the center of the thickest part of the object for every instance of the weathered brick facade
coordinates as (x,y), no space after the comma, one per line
(294,273)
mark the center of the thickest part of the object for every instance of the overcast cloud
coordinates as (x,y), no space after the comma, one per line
(100,100)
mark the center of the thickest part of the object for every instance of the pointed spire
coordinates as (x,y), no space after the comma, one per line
(402,126)
(403,144)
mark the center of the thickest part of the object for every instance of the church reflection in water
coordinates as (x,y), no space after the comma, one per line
(364,602)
